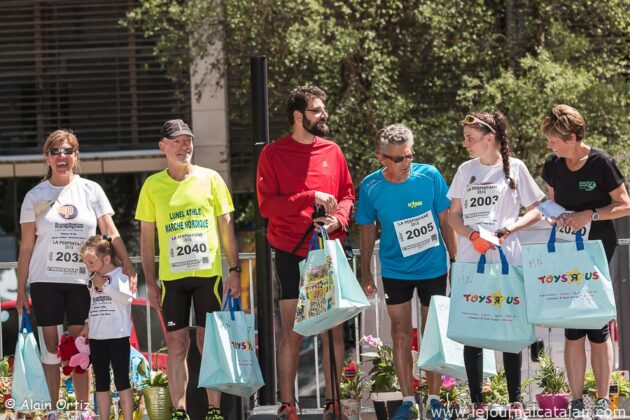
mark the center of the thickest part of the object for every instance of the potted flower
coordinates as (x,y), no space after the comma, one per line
(495,394)
(553,399)
(617,379)
(157,398)
(384,388)
(350,390)
(623,388)
(6,381)
(453,395)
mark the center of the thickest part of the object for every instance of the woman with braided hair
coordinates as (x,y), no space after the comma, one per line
(488,191)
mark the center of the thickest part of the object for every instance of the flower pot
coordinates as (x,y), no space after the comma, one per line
(157,401)
(351,409)
(589,402)
(385,404)
(553,405)
(498,411)
(623,404)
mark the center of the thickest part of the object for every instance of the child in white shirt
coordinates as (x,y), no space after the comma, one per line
(109,324)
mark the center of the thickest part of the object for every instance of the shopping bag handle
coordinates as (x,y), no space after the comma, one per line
(481,265)
(231,304)
(316,235)
(551,244)
(25,323)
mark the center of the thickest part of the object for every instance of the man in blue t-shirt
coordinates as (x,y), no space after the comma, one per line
(409,202)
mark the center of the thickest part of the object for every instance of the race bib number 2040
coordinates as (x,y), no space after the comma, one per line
(416,234)
(188,252)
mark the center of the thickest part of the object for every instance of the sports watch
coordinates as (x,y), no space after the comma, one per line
(236,268)
(595,215)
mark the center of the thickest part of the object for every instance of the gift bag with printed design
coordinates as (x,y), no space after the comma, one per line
(568,285)
(229,363)
(329,291)
(488,306)
(440,354)
(29,389)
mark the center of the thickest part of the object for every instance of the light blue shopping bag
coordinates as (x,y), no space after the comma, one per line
(440,354)
(329,291)
(487,306)
(229,363)
(568,285)
(29,389)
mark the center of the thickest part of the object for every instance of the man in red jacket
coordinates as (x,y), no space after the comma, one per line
(297,174)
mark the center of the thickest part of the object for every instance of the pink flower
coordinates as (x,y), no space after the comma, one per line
(448,382)
(372,341)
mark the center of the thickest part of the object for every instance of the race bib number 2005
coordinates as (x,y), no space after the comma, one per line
(416,234)
(189,252)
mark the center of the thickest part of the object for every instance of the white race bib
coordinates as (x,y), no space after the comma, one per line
(63,259)
(567,233)
(416,234)
(479,204)
(188,252)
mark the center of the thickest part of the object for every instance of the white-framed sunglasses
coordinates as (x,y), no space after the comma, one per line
(471,119)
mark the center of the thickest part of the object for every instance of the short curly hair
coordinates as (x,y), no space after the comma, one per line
(299,97)
(395,134)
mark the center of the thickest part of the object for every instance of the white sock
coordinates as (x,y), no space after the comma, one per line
(410,398)
(432,397)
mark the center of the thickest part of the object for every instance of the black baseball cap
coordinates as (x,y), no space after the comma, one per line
(174,128)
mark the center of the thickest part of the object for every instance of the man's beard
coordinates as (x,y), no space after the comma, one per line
(317,128)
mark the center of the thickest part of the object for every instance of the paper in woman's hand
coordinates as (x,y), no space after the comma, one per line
(551,210)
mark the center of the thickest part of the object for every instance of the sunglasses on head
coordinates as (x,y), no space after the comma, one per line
(398,159)
(470,119)
(57,151)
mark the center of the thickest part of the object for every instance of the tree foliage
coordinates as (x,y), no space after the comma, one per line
(419,62)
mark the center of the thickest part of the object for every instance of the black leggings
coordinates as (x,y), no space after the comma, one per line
(473,359)
(116,351)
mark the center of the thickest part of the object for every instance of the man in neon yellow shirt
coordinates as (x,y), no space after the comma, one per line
(191,209)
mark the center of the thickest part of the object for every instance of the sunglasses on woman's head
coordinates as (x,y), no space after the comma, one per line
(470,119)
(57,151)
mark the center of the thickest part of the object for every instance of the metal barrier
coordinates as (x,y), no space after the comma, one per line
(374,321)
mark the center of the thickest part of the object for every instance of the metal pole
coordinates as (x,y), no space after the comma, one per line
(264,289)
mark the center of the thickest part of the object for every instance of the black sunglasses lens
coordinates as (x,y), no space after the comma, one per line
(56,151)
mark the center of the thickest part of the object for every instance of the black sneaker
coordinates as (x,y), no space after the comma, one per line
(214,414)
(601,410)
(179,415)
(578,411)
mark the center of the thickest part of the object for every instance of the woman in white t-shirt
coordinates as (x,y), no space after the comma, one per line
(489,191)
(109,324)
(57,216)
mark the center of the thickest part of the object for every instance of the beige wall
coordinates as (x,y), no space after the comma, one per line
(210,124)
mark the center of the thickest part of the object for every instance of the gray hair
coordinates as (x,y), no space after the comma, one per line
(396,134)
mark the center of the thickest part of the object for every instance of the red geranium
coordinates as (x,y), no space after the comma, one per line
(350,371)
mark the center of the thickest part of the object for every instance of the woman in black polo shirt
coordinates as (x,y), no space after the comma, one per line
(587,182)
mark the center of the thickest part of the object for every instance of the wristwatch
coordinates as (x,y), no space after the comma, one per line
(236,268)
(595,215)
